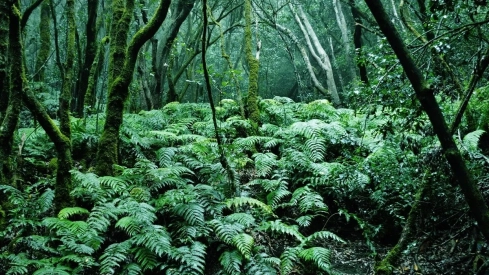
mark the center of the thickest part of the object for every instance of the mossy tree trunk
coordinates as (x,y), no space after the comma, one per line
(121,69)
(357,41)
(425,94)
(45,36)
(252,111)
(90,54)
(12,77)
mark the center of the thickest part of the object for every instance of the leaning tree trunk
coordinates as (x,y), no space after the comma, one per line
(425,95)
(252,111)
(122,64)
(357,41)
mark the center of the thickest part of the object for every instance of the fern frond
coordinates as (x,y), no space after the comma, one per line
(278,226)
(192,257)
(15,196)
(129,224)
(322,235)
(45,201)
(117,185)
(319,256)
(304,221)
(231,262)
(226,231)
(308,200)
(244,219)
(66,213)
(113,256)
(289,259)
(193,213)
(471,140)
(315,149)
(146,258)
(244,243)
(264,163)
(155,238)
(132,269)
(241,201)
(101,216)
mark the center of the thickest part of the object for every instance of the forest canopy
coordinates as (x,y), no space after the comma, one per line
(244,137)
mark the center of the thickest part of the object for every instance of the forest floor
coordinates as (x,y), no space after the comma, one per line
(441,254)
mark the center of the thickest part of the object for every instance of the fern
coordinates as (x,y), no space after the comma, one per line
(278,226)
(471,140)
(244,219)
(308,200)
(319,256)
(244,243)
(226,231)
(190,258)
(289,260)
(193,213)
(264,163)
(57,270)
(231,261)
(241,201)
(66,213)
(113,256)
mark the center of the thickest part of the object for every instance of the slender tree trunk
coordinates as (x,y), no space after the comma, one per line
(252,111)
(317,52)
(90,54)
(122,64)
(357,41)
(4,62)
(45,36)
(181,12)
(341,21)
(425,95)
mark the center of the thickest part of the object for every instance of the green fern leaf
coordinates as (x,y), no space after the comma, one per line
(244,243)
(113,256)
(244,219)
(225,231)
(117,185)
(289,260)
(264,163)
(146,258)
(231,262)
(241,201)
(130,225)
(278,226)
(318,255)
(45,201)
(193,213)
(322,235)
(66,213)
(471,140)
(155,238)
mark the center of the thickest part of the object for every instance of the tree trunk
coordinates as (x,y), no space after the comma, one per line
(122,64)
(357,41)
(45,36)
(341,21)
(90,54)
(12,83)
(317,52)
(182,10)
(425,95)
(252,111)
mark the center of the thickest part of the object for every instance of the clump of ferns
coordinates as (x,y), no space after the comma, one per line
(278,111)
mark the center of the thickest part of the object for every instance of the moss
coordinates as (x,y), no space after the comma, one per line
(252,110)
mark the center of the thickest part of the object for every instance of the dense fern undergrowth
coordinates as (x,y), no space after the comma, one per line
(312,179)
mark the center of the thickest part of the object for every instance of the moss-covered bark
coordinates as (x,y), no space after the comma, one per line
(4,41)
(90,54)
(13,85)
(90,96)
(252,110)
(45,36)
(121,77)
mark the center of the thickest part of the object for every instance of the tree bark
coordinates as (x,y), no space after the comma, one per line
(91,49)
(318,52)
(122,64)
(182,10)
(45,36)
(357,41)
(11,67)
(425,95)
(252,111)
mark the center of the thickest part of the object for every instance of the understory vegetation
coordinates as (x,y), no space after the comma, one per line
(314,180)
